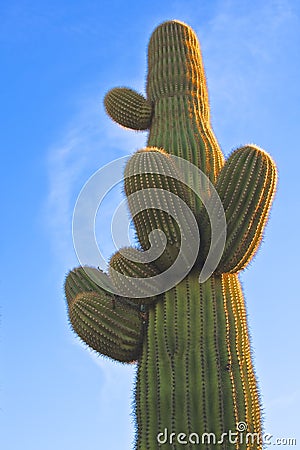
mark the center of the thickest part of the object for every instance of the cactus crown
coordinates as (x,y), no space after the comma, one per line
(175,65)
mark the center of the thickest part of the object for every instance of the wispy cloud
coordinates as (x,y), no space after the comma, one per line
(64,166)
(243,48)
(89,141)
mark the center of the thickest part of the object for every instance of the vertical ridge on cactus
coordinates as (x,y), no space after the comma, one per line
(208,356)
(191,342)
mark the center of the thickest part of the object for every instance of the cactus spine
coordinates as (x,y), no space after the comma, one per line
(191,343)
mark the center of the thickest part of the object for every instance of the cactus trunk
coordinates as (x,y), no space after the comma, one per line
(196,377)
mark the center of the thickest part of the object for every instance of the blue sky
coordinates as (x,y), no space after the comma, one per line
(58,60)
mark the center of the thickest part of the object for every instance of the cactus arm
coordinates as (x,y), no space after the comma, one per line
(246,186)
(110,325)
(124,264)
(152,174)
(128,108)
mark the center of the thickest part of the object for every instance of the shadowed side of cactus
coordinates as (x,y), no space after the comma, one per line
(110,325)
(195,373)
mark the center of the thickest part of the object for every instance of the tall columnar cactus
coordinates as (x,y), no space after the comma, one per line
(191,343)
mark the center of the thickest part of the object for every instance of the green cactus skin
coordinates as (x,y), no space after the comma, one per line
(195,372)
(132,109)
(106,323)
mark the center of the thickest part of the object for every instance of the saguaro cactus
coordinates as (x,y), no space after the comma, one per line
(191,343)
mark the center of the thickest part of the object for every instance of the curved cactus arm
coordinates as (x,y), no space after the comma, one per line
(111,325)
(128,108)
(158,200)
(246,186)
(129,275)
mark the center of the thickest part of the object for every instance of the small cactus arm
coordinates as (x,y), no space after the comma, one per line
(195,373)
